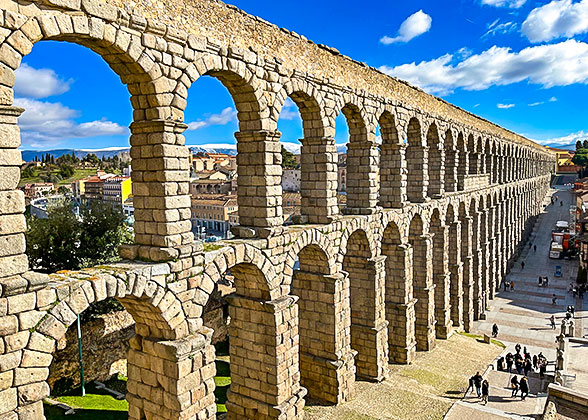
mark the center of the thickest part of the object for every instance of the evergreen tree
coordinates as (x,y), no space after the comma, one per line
(578,145)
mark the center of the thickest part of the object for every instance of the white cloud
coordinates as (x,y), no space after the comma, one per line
(553,99)
(558,19)
(47,123)
(38,83)
(536,103)
(512,4)
(560,64)
(226,116)
(415,25)
(289,110)
(497,28)
(568,140)
(505,106)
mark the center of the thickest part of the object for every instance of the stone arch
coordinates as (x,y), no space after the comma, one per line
(369,329)
(358,224)
(400,302)
(435,156)
(451,161)
(463,163)
(310,103)
(327,366)
(488,158)
(422,276)
(472,155)
(392,163)
(308,238)
(481,155)
(417,179)
(455,267)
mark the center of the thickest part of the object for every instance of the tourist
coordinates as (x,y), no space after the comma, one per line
(512,286)
(518,348)
(535,360)
(528,367)
(552,320)
(535,248)
(514,384)
(509,361)
(546,282)
(494,331)
(470,386)
(485,389)
(522,265)
(524,384)
(505,283)
(519,364)
(478,383)
(554,300)
(540,281)
(542,368)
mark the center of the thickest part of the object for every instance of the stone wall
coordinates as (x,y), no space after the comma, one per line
(366,279)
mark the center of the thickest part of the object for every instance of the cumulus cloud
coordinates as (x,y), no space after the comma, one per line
(38,83)
(47,123)
(512,4)
(289,110)
(560,64)
(415,25)
(497,28)
(558,19)
(226,116)
(569,140)
(505,106)
(553,99)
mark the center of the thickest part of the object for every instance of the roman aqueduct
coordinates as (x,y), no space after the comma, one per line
(434,216)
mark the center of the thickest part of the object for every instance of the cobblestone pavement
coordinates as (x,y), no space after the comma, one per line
(523,316)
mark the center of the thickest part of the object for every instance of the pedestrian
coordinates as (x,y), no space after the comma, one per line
(478,383)
(494,331)
(535,360)
(542,368)
(524,385)
(554,300)
(514,384)
(505,284)
(518,348)
(546,282)
(519,365)
(509,360)
(561,203)
(528,367)
(552,320)
(522,265)
(540,281)
(535,248)
(485,390)
(512,286)
(470,386)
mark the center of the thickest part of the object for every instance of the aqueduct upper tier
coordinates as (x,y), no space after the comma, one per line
(434,216)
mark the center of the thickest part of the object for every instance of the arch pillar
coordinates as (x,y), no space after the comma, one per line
(468,270)
(259,183)
(400,305)
(456,275)
(13,260)
(369,328)
(451,170)
(265,378)
(318,185)
(327,362)
(161,187)
(462,169)
(393,175)
(441,277)
(362,177)
(424,291)
(418,173)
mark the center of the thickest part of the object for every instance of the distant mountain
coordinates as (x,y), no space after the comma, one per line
(229,149)
(567,146)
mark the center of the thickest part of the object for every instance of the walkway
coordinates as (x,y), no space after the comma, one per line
(523,317)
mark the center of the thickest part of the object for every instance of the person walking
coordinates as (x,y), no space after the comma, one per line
(552,320)
(554,300)
(535,248)
(512,286)
(528,367)
(518,348)
(546,282)
(485,391)
(522,265)
(505,284)
(524,385)
(540,282)
(470,386)
(478,383)
(494,330)
(509,360)
(514,384)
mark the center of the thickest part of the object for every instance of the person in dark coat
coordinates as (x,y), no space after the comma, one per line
(478,383)
(485,391)
(535,362)
(524,385)
(518,348)
(509,361)
(470,386)
(514,384)
(528,367)
(494,330)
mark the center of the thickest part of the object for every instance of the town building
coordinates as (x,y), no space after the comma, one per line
(37,189)
(291,179)
(212,212)
(117,189)
(564,161)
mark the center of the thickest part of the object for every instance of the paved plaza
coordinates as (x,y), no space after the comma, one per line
(523,316)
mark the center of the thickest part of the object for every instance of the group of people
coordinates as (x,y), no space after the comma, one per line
(481,385)
(523,362)
(543,281)
(508,285)
(577,291)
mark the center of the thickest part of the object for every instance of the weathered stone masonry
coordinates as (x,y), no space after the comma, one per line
(435,216)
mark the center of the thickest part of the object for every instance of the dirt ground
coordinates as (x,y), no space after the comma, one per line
(424,390)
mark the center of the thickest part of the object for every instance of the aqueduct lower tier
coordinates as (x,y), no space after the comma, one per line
(434,215)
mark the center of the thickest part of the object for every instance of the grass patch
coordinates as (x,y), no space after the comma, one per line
(479,337)
(222,380)
(210,246)
(95,402)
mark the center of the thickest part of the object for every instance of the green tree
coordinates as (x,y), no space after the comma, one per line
(66,242)
(585,144)
(578,145)
(288,160)
(66,171)
(581,157)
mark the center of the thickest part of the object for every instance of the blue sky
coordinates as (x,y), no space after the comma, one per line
(520,63)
